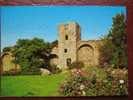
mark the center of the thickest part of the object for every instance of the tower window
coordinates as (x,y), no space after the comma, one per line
(66,37)
(65,50)
(68,61)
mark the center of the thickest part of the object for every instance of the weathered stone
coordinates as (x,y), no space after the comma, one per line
(44,71)
(71,48)
(7,63)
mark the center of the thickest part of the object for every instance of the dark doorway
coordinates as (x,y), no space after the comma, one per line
(68,61)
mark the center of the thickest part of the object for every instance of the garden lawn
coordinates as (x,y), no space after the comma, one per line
(33,85)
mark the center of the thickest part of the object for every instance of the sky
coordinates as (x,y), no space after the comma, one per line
(27,22)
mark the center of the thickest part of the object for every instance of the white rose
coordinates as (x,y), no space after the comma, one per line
(83,92)
(121,81)
(82,87)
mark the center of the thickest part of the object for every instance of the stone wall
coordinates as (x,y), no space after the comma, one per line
(7,63)
(88,52)
(71,47)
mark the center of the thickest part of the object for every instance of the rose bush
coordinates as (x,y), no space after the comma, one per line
(82,83)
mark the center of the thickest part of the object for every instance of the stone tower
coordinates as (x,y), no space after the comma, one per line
(69,35)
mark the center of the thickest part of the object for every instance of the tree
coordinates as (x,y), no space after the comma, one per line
(114,48)
(7,49)
(31,54)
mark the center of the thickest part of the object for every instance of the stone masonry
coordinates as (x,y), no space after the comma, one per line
(71,48)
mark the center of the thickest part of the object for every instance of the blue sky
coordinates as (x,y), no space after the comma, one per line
(42,21)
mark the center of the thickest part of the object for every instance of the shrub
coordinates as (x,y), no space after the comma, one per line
(31,72)
(73,87)
(76,84)
(11,72)
(76,64)
(80,85)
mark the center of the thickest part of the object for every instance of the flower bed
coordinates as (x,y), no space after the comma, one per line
(83,83)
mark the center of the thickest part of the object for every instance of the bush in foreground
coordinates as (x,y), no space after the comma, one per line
(89,85)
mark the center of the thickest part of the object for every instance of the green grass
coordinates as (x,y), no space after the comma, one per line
(34,85)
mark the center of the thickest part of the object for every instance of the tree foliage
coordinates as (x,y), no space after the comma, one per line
(114,48)
(31,54)
(7,49)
